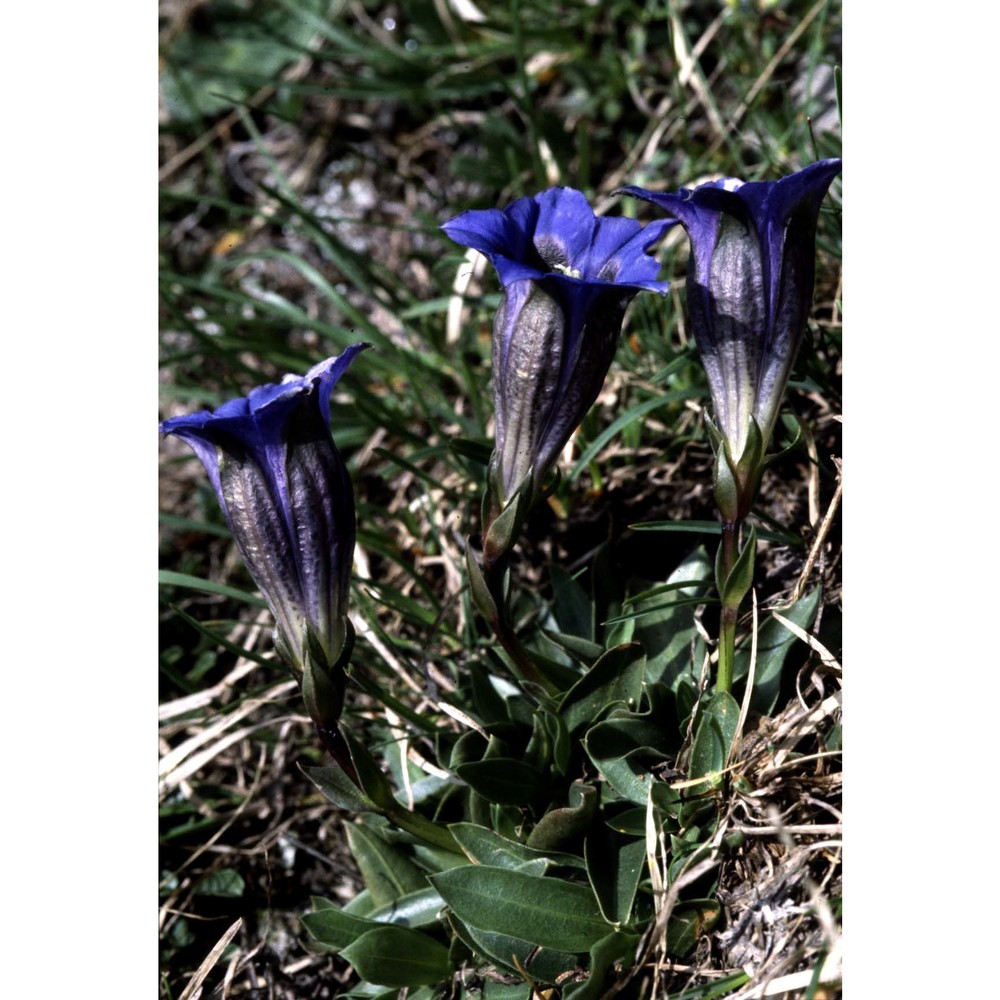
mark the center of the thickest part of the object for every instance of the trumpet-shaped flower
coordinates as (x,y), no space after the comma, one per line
(567,278)
(749,292)
(287,498)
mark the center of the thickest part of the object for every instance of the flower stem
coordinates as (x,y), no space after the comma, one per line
(386,805)
(730,611)
(425,829)
(727,649)
(504,630)
(336,746)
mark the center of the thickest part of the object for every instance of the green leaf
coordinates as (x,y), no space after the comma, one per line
(484,847)
(374,783)
(493,990)
(481,595)
(613,948)
(558,738)
(560,826)
(436,859)
(581,649)
(773,644)
(538,867)
(504,780)
(168,578)
(427,992)
(735,587)
(503,532)
(339,789)
(712,528)
(614,679)
(614,866)
(387,872)
(692,587)
(193,524)
(226,882)
(361,905)
(332,927)
(727,493)
(218,639)
(470,746)
(366,991)
(677,602)
(476,452)
(571,605)
(630,821)
(557,672)
(415,909)
(792,427)
(545,911)
(398,956)
(392,598)
(718,988)
(624,749)
(631,414)
(538,751)
(686,527)
(669,636)
(545,964)
(686,692)
(746,467)
(715,734)
(489,703)
(206,71)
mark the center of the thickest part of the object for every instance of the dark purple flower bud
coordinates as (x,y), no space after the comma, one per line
(567,277)
(749,292)
(287,498)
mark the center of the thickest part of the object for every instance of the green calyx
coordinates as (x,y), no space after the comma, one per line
(502,522)
(736,481)
(323,682)
(481,595)
(727,487)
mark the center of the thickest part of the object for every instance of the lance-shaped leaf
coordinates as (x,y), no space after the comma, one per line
(545,911)
(398,956)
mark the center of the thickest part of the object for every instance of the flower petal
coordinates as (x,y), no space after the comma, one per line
(567,277)
(286,496)
(750,285)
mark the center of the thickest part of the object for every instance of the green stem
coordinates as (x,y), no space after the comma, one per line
(335,745)
(730,612)
(426,829)
(727,649)
(361,768)
(504,630)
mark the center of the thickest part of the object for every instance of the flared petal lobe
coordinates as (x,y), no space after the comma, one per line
(750,285)
(567,278)
(287,498)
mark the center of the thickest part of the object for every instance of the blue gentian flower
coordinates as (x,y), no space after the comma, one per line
(567,277)
(287,498)
(749,292)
